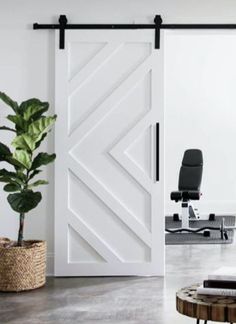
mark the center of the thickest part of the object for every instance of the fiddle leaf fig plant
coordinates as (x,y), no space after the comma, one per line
(30,127)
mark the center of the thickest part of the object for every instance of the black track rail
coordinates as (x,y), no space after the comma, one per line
(135,26)
(157,26)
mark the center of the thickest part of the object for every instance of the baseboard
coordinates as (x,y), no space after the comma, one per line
(50,264)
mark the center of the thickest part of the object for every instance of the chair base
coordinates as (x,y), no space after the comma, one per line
(206,230)
(188,213)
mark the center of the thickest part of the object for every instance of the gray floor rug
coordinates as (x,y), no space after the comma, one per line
(196,238)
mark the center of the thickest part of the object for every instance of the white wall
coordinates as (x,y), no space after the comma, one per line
(200,112)
(27,65)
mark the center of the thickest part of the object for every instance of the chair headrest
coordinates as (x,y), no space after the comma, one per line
(193,158)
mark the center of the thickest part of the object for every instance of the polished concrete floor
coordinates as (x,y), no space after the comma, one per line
(131,300)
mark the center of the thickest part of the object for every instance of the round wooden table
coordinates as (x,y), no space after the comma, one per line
(205,307)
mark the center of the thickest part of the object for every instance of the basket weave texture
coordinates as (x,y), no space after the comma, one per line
(22,268)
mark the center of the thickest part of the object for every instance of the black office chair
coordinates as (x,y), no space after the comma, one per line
(190,178)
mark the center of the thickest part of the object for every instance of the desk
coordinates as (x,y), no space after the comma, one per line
(205,307)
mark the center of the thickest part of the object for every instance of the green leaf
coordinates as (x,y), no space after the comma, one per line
(6,155)
(41,126)
(13,162)
(34,173)
(23,157)
(19,121)
(42,159)
(9,180)
(40,112)
(28,103)
(11,187)
(7,128)
(37,183)
(24,201)
(11,176)
(33,108)
(4,172)
(6,180)
(21,175)
(35,133)
(9,101)
(40,141)
(4,150)
(25,142)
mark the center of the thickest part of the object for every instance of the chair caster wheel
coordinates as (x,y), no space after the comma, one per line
(206,233)
(212,217)
(176,217)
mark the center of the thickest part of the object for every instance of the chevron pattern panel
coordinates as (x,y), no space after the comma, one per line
(105,147)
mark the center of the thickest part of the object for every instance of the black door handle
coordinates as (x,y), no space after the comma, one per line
(157,152)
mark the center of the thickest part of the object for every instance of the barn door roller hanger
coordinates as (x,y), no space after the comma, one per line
(157,26)
(63,25)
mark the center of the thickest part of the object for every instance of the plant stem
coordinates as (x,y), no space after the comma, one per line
(21,229)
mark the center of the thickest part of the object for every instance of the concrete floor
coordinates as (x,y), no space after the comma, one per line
(132,300)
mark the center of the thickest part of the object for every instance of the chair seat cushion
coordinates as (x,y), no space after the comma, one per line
(189,195)
(176,195)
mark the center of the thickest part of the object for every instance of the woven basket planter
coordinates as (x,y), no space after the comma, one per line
(22,268)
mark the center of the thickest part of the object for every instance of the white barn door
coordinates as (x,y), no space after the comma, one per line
(109,217)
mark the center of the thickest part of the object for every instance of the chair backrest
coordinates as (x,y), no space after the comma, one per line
(190,175)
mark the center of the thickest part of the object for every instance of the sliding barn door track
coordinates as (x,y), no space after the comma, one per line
(63,25)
